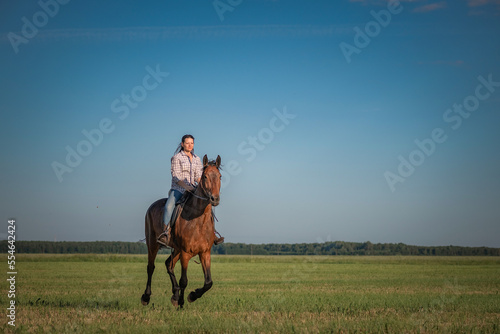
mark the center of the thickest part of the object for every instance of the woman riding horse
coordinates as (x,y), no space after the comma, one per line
(193,234)
(186,171)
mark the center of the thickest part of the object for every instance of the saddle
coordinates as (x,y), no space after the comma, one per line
(178,208)
(177,211)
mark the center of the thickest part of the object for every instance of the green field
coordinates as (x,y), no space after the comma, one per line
(312,294)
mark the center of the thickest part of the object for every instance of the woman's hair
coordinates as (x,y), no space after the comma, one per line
(180,148)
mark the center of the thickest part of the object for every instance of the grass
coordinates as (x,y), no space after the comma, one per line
(309,294)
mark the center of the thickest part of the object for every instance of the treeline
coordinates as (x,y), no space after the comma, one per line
(327,248)
(352,248)
(77,247)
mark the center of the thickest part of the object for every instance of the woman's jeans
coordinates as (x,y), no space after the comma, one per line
(173,197)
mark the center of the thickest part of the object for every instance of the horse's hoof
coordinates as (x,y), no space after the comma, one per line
(145,300)
(191,298)
(174,302)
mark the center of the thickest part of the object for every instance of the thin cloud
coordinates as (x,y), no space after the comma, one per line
(189,32)
(381,2)
(484,7)
(430,7)
(478,3)
(456,63)
(420,9)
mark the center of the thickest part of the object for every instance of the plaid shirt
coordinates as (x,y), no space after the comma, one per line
(186,170)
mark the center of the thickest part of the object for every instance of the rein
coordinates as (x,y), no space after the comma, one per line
(199,197)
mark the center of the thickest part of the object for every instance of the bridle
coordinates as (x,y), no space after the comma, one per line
(205,199)
(204,191)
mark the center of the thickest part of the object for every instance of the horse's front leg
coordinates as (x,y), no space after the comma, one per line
(185,257)
(205,263)
(170,264)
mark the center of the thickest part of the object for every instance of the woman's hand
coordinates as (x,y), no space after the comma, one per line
(188,187)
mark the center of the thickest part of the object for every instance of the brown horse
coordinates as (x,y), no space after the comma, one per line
(193,233)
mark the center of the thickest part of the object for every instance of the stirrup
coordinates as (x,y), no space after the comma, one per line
(218,238)
(164,239)
(218,241)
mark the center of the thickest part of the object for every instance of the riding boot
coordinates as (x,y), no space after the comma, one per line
(164,238)
(218,239)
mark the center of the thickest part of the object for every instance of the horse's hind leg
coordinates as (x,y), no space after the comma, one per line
(152,251)
(205,263)
(170,264)
(184,280)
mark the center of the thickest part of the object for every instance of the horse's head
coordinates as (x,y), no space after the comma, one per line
(210,180)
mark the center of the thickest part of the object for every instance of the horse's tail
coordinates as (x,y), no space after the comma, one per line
(148,225)
(153,220)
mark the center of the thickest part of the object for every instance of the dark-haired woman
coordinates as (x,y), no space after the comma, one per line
(186,169)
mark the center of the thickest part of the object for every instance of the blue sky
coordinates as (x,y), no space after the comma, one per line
(316,145)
